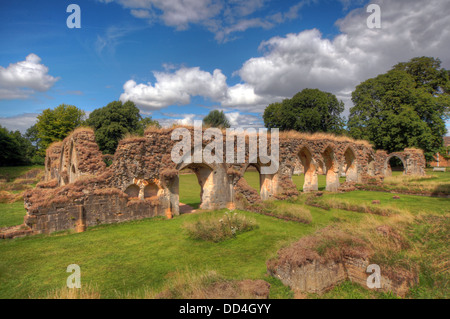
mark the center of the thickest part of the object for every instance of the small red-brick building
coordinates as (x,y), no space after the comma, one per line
(442,160)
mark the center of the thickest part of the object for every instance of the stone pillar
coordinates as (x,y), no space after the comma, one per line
(81,222)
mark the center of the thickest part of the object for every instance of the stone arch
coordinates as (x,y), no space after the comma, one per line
(204,174)
(297,167)
(350,165)
(132,191)
(151,190)
(267,182)
(332,169)
(387,167)
(310,168)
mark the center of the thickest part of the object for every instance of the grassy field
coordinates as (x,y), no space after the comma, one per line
(11,214)
(134,256)
(130,259)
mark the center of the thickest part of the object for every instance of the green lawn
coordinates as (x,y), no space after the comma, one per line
(414,204)
(189,190)
(12,172)
(130,257)
(11,214)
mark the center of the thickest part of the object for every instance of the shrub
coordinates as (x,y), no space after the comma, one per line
(216,230)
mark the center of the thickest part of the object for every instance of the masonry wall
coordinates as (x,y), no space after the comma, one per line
(143,181)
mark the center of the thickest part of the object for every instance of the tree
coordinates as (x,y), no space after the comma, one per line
(310,110)
(54,125)
(113,121)
(405,107)
(216,118)
(146,122)
(272,115)
(14,148)
(32,135)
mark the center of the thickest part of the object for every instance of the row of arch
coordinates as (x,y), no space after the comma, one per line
(216,190)
(147,190)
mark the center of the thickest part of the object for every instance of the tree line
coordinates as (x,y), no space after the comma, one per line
(110,123)
(405,107)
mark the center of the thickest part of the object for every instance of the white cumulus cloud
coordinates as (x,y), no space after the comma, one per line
(19,80)
(291,63)
(176,88)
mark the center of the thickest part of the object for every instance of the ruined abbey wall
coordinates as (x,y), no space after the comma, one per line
(143,181)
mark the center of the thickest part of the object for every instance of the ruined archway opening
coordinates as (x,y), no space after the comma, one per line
(261,183)
(253,177)
(394,166)
(195,183)
(132,191)
(350,166)
(332,170)
(308,181)
(151,191)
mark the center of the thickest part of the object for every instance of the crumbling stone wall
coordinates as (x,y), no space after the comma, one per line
(143,181)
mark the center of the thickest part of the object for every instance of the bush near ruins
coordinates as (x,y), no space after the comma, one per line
(216,230)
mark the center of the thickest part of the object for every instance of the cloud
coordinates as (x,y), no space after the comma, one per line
(20,80)
(176,88)
(19,122)
(111,38)
(218,16)
(181,119)
(306,59)
(240,120)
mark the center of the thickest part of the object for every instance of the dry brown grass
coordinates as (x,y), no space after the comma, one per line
(81,129)
(85,292)
(418,183)
(189,284)
(327,203)
(321,136)
(282,135)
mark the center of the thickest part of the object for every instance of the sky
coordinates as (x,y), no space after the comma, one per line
(179,59)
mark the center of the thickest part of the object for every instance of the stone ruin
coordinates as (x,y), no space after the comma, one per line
(79,190)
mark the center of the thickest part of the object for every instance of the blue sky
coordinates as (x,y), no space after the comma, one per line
(177,60)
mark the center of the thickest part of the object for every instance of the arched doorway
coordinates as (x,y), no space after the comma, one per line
(195,185)
(252,176)
(261,183)
(394,165)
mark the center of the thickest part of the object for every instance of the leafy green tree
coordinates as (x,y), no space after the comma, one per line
(15,149)
(54,125)
(405,107)
(310,110)
(31,135)
(114,120)
(216,118)
(146,122)
(272,115)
